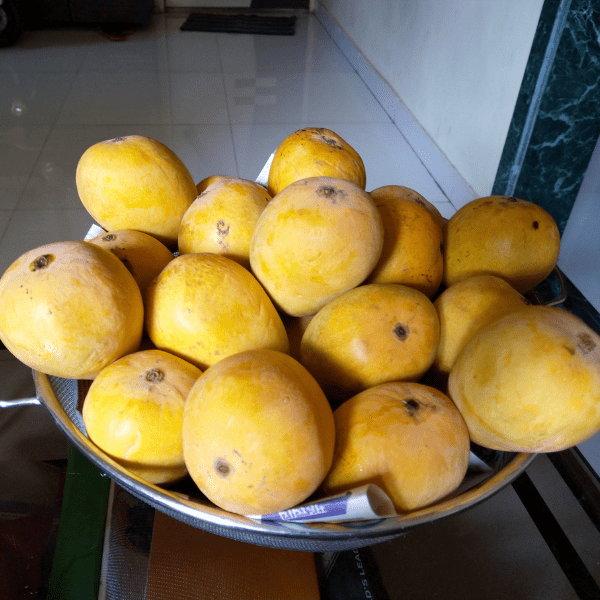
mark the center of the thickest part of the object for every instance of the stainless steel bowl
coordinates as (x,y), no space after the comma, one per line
(62,398)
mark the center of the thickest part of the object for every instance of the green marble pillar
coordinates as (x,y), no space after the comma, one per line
(556,121)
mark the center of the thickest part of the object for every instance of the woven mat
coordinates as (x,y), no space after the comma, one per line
(239,23)
(190,564)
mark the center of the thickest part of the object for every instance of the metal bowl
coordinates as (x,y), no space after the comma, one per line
(63,397)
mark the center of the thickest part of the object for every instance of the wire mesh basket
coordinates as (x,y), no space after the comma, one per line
(63,398)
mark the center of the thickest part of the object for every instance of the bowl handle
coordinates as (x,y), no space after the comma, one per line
(20,402)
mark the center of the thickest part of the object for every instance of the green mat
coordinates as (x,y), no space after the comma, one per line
(77,560)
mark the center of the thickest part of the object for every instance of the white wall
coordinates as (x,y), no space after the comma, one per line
(580,243)
(457,66)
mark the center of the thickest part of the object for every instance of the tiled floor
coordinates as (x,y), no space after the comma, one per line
(222,102)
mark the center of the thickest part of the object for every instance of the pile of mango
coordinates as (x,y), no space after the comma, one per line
(283,342)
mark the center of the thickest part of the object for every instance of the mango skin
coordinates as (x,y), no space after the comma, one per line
(222,219)
(466,307)
(133,411)
(135,182)
(407,438)
(372,334)
(204,183)
(406,193)
(318,238)
(258,433)
(73,316)
(314,152)
(530,382)
(204,307)
(143,255)
(511,238)
(412,251)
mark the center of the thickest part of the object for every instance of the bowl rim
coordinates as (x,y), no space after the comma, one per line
(205,515)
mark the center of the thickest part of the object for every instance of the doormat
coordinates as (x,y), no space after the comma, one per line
(239,23)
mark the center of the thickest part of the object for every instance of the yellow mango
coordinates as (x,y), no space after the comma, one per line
(406,193)
(466,307)
(412,251)
(143,255)
(314,152)
(204,183)
(222,219)
(511,238)
(133,411)
(318,238)
(258,433)
(69,309)
(135,182)
(372,334)
(530,382)
(409,439)
(204,307)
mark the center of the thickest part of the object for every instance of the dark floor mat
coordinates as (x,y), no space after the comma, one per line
(278,4)
(239,23)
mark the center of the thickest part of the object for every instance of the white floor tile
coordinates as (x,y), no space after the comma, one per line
(159,47)
(204,149)
(222,102)
(309,26)
(52,182)
(447,209)
(139,98)
(198,98)
(100,98)
(20,148)
(133,54)
(195,51)
(32,98)
(287,98)
(313,52)
(5,216)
